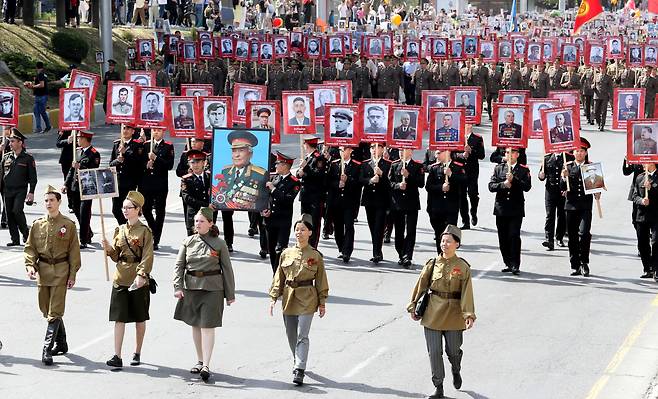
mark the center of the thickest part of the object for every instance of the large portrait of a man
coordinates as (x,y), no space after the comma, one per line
(120,102)
(644,139)
(151,106)
(507,126)
(447,129)
(456,49)
(241,50)
(265,114)
(183,114)
(74,108)
(405,127)
(592,175)
(298,112)
(313,47)
(281,47)
(561,128)
(240,169)
(405,124)
(510,125)
(81,79)
(628,104)
(340,125)
(375,46)
(145,50)
(226,50)
(215,112)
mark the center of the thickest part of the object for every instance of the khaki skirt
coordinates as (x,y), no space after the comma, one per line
(130,306)
(200,308)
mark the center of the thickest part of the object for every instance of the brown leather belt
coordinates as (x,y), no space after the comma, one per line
(447,295)
(53,261)
(129,259)
(295,284)
(203,274)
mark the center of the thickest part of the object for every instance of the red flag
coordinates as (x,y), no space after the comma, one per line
(653,6)
(630,5)
(588,10)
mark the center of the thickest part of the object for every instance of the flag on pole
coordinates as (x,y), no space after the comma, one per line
(513,27)
(588,10)
(630,5)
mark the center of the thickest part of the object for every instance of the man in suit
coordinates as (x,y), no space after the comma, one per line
(645,144)
(312,172)
(206,49)
(412,50)
(266,52)
(561,133)
(152,102)
(509,129)
(75,106)
(195,187)
(241,50)
(299,109)
(473,153)
(146,49)
(650,54)
(376,121)
(405,131)
(227,47)
(446,132)
(615,47)
(376,196)
(628,111)
(534,53)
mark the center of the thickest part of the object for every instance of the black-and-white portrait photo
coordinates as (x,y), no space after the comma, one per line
(227,46)
(74,107)
(466,99)
(266,51)
(145,49)
(152,106)
(189,51)
(596,54)
(246,94)
(214,115)
(340,123)
(335,45)
(6,104)
(375,119)
(280,46)
(322,97)
(242,49)
(405,124)
(254,49)
(504,49)
(439,47)
(182,112)
(313,47)
(296,40)
(123,100)
(88,183)
(206,48)
(456,48)
(375,47)
(107,184)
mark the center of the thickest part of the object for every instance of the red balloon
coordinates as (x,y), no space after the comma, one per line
(277,22)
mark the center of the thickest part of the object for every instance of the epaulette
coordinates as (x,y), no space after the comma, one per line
(138,141)
(396,161)
(387,160)
(356,162)
(476,135)
(467,264)
(458,163)
(187,175)
(294,178)
(117,140)
(93,149)
(258,170)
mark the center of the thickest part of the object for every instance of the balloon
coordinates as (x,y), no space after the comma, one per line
(396,19)
(277,23)
(320,24)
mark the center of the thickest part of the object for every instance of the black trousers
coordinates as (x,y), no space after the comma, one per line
(155,201)
(649,105)
(3,218)
(492,97)
(343,218)
(439,221)
(278,235)
(82,211)
(587,104)
(509,239)
(227,224)
(404,244)
(647,243)
(469,193)
(14,202)
(554,203)
(328,221)
(376,216)
(579,224)
(11,11)
(254,220)
(315,210)
(600,112)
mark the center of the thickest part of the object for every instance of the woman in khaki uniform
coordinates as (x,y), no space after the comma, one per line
(202,279)
(132,249)
(450,309)
(302,282)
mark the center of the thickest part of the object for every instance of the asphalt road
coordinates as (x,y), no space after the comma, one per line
(542,334)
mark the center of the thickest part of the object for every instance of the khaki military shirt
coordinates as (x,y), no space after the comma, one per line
(295,265)
(140,239)
(50,240)
(450,276)
(197,256)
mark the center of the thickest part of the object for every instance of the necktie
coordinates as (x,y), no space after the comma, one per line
(237,174)
(200,179)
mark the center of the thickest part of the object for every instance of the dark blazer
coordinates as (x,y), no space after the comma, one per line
(282,200)
(131,170)
(576,198)
(439,202)
(376,194)
(156,179)
(348,195)
(648,213)
(313,182)
(408,199)
(510,201)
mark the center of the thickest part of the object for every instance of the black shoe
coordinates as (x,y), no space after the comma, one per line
(115,362)
(387,240)
(47,129)
(83,246)
(601,128)
(325,236)
(3,225)
(576,272)
(251,232)
(400,261)
(585,270)
(346,259)
(230,248)
(340,256)
(298,377)
(24,239)
(647,275)
(136,360)
(474,220)
(156,247)
(49,341)
(205,373)
(507,269)
(196,369)
(262,254)
(376,259)
(13,244)
(516,271)
(438,393)
(465,227)
(560,243)
(60,346)
(407,264)
(548,245)
(456,380)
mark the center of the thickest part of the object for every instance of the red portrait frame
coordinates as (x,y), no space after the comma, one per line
(298,129)
(644,55)
(554,48)
(138,50)
(525,94)
(566,97)
(92,76)
(320,44)
(588,52)
(628,55)
(631,157)
(496,140)
(608,48)
(168,44)
(220,48)
(139,93)
(363,104)
(15,93)
(435,144)
(74,125)
(366,47)
(186,88)
(618,92)
(275,106)
(150,75)
(319,119)
(340,141)
(169,117)
(564,146)
(212,50)
(576,61)
(235,50)
(329,40)
(511,50)
(110,117)
(420,122)
(237,87)
(201,110)
(250,57)
(470,119)
(532,102)
(452,44)
(477,46)
(286,54)
(183,56)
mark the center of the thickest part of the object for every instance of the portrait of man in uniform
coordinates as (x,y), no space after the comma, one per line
(439,48)
(627,106)
(6,105)
(548,50)
(615,47)
(263,117)
(504,49)
(466,100)
(152,106)
(254,47)
(536,115)
(341,123)
(412,49)
(88,185)
(206,48)
(405,128)
(569,53)
(562,130)
(375,48)
(437,101)
(298,113)
(183,115)
(173,44)
(241,49)
(336,46)
(120,100)
(635,56)
(650,54)
(141,80)
(644,141)
(376,119)
(75,107)
(512,99)
(107,185)
(470,46)
(189,51)
(592,177)
(507,127)
(456,49)
(214,115)
(447,132)
(296,39)
(596,55)
(534,52)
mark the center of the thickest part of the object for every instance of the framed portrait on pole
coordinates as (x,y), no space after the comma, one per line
(635,56)
(120,102)
(373,47)
(322,95)
(373,124)
(513,96)
(190,52)
(488,50)
(181,116)
(265,115)
(238,182)
(505,50)
(434,99)
(411,50)
(534,53)
(296,41)
(510,125)
(266,52)
(595,54)
(281,47)
(298,115)
(151,106)
(642,141)
(9,106)
(98,183)
(615,48)
(469,98)
(214,113)
(457,49)
(566,97)
(336,46)
(549,53)
(145,50)
(74,108)
(206,49)
(536,124)
(340,125)
(570,55)
(447,129)
(405,126)
(241,50)
(313,48)
(141,78)
(80,79)
(196,90)
(650,53)
(593,177)
(470,46)
(226,49)
(561,128)
(628,104)
(243,92)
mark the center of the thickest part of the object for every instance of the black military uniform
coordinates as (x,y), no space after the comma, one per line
(650,83)
(578,207)
(632,169)
(154,186)
(88,158)
(509,209)
(278,219)
(65,157)
(470,189)
(443,202)
(554,200)
(195,190)
(129,172)
(405,205)
(646,221)
(19,172)
(493,87)
(312,195)
(376,199)
(341,203)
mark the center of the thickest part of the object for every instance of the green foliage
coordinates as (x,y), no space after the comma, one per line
(70,46)
(128,36)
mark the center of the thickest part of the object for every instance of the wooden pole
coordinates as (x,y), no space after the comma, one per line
(564,163)
(598,208)
(75,145)
(283,65)
(267,73)
(107,269)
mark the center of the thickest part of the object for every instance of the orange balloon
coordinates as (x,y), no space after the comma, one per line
(277,23)
(396,19)
(320,23)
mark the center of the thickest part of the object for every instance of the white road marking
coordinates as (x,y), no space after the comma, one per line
(92,342)
(365,363)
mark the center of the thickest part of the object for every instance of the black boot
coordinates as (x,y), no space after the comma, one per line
(61,346)
(51,333)
(298,377)
(438,393)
